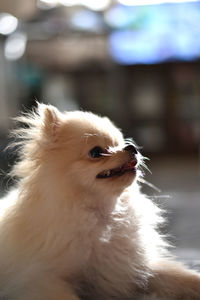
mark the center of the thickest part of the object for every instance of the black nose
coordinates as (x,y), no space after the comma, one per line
(131,149)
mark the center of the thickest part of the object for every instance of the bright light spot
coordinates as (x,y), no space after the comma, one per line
(119,16)
(97,5)
(69,2)
(86,20)
(151,2)
(15,46)
(8,23)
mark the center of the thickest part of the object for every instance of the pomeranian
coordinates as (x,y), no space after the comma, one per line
(77,226)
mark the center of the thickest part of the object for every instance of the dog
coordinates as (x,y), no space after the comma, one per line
(77,226)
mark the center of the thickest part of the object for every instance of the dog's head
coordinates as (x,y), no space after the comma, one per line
(76,152)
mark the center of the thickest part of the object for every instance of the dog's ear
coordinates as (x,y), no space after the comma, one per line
(41,131)
(51,120)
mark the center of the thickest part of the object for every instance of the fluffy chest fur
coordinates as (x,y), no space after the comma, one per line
(105,252)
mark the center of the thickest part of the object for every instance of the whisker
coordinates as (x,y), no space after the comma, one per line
(142,180)
(130,141)
(143,165)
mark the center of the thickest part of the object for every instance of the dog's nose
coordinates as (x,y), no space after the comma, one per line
(131,149)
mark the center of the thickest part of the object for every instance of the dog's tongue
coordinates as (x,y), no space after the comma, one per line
(130,165)
(127,167)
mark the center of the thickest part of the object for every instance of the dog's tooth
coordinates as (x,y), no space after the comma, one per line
(108,173)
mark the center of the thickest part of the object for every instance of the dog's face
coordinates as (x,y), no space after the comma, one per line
(86,154)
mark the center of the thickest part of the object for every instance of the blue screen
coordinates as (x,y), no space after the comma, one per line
(155,33)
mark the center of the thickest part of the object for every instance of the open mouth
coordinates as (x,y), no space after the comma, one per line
(129,166)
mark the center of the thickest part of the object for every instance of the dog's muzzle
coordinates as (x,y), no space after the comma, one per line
(128,167)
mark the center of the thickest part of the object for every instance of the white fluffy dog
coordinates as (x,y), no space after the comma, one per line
(77,225)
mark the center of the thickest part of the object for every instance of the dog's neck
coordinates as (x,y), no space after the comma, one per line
(103,206)
(40,198)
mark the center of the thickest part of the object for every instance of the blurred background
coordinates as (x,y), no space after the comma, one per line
(136,61)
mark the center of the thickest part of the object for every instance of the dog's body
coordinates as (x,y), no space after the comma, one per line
(77,226)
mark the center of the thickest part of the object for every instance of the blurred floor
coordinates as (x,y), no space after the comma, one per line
(179,180)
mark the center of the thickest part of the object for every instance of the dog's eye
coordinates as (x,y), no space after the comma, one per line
(96,152)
